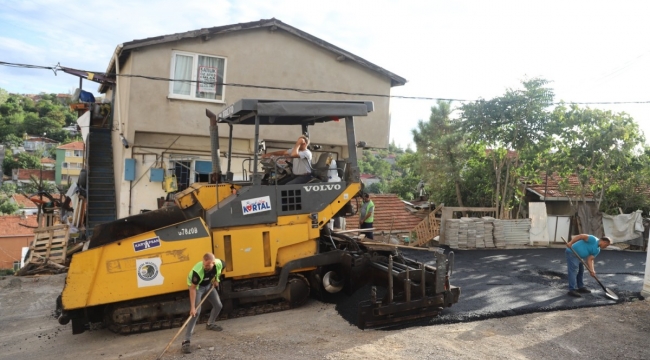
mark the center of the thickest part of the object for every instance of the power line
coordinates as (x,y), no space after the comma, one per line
(58,67)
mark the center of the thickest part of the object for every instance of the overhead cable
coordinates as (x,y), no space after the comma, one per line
(58,67)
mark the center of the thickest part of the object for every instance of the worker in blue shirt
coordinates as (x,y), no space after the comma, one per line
(588,247)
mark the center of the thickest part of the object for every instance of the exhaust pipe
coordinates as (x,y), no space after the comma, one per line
(330,284)
(214,147)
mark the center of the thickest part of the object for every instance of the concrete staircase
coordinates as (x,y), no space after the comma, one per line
(101,180)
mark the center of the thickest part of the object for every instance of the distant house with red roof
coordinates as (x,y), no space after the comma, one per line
(23,176)
(48,163)
(16,232)
(369,179)
(26,206)
(390,212)
(556,191)
(34,143)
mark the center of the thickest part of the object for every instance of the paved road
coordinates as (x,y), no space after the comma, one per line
(497,283)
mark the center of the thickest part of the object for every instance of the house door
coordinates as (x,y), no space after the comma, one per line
(558,227)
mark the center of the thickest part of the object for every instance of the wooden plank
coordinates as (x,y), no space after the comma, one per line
(378,245)
(354,230)
(472,209)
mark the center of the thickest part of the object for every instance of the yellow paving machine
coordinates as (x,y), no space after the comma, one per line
(274,238)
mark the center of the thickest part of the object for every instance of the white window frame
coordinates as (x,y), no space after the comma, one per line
(195,64)
(80,153)
(68,153)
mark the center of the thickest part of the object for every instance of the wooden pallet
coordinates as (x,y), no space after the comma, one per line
(50,243)
(428,228)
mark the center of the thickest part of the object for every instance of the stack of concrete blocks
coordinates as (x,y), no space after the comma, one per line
(486,232)
(451,232)
(488,227)
(463,229)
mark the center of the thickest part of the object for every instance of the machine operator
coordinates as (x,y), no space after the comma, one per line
(301,162)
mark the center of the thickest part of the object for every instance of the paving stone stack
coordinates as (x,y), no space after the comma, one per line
(488,228)
(451,232)
(486,232)
(463,229)
(480,233)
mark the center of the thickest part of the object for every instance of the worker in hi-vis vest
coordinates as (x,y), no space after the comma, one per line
(366,215)
(203,274)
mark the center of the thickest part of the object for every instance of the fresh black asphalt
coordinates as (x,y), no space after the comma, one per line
(497,283)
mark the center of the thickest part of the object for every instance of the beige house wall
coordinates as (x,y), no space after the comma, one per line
(157,125)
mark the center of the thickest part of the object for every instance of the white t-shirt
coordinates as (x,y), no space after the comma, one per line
(302,164)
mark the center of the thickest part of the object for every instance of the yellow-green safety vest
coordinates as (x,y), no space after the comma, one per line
(198,268)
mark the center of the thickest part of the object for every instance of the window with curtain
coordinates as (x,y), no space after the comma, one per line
(197,76)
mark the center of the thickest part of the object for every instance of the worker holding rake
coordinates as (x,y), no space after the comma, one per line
(587,247)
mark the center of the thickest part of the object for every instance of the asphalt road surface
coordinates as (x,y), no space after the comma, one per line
(497,283)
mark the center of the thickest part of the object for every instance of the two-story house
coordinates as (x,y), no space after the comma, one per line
(162,124)
(35,143)
(69,162)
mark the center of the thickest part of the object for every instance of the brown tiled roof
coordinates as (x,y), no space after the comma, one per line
(48,161)
(24,202)
(77,145)
(11,225)
(41,139)
(388,209)
(25,174)
(368,176)
(553,189)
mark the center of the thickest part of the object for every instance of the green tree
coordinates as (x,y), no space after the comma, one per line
(12,140)
(4,95)
(6,206)
(513,128)
(35,125)
(599,147)
(405,184)
(11,124)
(21,161)
(442,149)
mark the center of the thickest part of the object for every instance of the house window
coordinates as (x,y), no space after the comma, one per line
(64,178)
(78,153)
(16,265)
(64,165)
(202,170)
(68,153)
(206,71)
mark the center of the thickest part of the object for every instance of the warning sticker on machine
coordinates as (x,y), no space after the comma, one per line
(146,244)
(148,272)
(252,206)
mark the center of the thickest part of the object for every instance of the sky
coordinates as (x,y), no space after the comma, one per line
(591,51)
